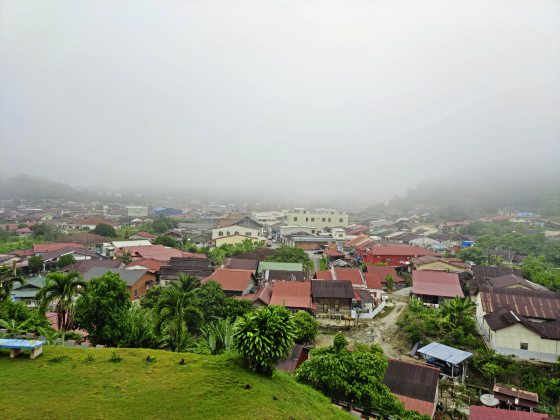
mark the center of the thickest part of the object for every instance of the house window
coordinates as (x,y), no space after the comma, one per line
(247,233)
(340,220)
(336,307)
(135,292)
(220,233)
(324,219)
(329,219)
(227,233)
(295,219)
(312,219)
(307,219)
(524,346)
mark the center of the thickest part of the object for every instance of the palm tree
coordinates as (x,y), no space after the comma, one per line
(219,335)
(174,308)
(62,289)
(8,277)
(186,283)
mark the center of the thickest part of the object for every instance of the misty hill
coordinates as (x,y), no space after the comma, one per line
(30,188)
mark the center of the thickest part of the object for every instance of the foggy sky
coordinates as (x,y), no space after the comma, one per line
(298,98)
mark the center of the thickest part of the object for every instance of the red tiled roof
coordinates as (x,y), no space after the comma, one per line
(24,230)
(426,259)
(436,283)
(334,253)
(352,274)
(42,248)
(324,275)
(399,250)
(293,294)
(231,279)
(373,280)
(412,404)
(487,413)
(145,235)
(151,264)
(359,240)
(155,252)
(376,275)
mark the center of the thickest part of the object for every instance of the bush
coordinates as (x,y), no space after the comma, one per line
(263,336)
(306,329)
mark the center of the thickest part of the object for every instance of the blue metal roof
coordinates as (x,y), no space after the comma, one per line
(446,353)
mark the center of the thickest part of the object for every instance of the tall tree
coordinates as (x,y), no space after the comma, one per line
(8,278)
(292,255)
(62,290)
(175,309)
(104,229)
(103,310)
(35,264)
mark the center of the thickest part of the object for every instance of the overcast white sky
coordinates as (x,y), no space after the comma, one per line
(359,97)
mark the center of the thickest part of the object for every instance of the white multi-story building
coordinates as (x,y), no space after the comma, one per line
(267,217)
(136,211)
(317,218)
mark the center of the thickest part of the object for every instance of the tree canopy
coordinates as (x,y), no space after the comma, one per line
(291,254)
(104,229)
(103,310)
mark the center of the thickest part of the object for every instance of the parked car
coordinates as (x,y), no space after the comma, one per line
(445,367)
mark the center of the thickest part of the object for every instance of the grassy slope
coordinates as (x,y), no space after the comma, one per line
(206,387)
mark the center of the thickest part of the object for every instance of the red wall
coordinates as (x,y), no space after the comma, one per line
(373,259)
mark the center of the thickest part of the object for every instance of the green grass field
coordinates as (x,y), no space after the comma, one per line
(61,383)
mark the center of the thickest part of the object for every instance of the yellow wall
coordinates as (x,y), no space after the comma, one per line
(236,239)
(437,265)
(513,336)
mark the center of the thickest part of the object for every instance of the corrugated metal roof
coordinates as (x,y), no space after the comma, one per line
(445,353)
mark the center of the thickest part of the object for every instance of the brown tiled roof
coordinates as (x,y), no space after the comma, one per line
(85,265)
(240,263)
(287,275)
(85,238)
(489,271)
(231,280)
(353,274)
(400,250)
(47,256)
(193,266)
(413,380)
(341,289)
(527,303)
(516,393)
(151,265)
(323,275)
(413,404)
(365,297)
(291,294)
(426,259)
(42,248)
(513,280)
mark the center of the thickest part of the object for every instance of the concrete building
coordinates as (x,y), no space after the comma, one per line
(137,211)
(318,218)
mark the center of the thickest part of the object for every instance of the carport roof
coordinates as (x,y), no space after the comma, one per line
(445,353)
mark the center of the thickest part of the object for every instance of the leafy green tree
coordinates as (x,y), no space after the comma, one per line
(62,290)
(47,232)
(473,254)
(219,335)
(210,298)
(35,264)
(66,260)
(263,336)
(290,254)
(355,377)
(491,371)
(306,327)
(538,270)
(103,310)
(153,294)
(234,308)
(166,240)
(104,229)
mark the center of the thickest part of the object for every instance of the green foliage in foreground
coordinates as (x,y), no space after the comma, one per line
(263,336)
(354,377)
(205,387)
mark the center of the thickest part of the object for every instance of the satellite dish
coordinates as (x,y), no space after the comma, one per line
(489,400)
